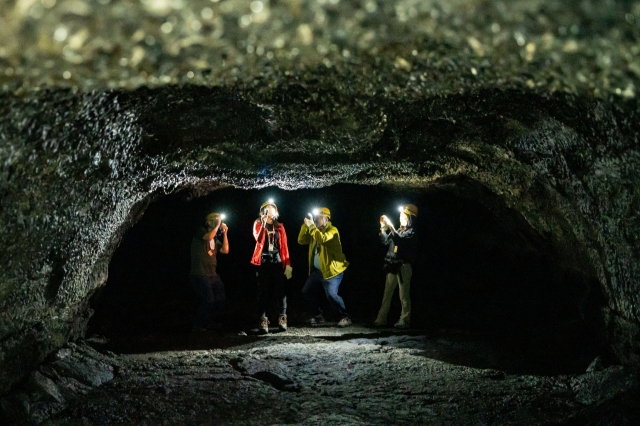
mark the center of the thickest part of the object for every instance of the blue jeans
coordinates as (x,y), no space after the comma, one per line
(312,287)
(210,291)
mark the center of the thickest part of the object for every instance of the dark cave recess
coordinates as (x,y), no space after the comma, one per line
(480,269)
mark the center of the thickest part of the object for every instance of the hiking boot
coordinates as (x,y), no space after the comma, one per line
(264,325)
(401,324)
(344,322)
(378,323)
(316,320)
(282,322)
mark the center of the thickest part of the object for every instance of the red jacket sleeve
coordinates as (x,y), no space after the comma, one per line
(258,234)
(257,230)
(284,247)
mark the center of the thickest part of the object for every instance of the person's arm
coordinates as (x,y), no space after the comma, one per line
(284,247)
(258,228)
(384,230)
(389,225)
(284,253)
(225,241)
(323,237)
(405,234)
(208,236)
(304,238)
(385,236)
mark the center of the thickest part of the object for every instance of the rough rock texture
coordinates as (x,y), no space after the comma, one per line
(534,102)
(330,376)
(71,373)
(414,46)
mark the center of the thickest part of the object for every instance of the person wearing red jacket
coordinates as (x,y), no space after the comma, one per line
(271,256)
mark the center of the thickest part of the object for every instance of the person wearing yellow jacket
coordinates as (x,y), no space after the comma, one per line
(327,264)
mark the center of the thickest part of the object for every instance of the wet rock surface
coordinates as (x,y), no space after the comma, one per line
(401,46)
(331,376)
(73,371)
(534,103)
(80,184)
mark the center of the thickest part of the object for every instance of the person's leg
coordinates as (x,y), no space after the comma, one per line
(280,296)
(205,295)
(262,282)
(331,287)
(219,296)
(276,275)
(271,273)
(310,292)
(405,298)
(280,290)
(262,291)
(390,285)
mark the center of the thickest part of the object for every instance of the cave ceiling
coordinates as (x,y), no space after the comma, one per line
(108,105)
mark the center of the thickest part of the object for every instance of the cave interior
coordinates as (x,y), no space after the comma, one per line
(481,271)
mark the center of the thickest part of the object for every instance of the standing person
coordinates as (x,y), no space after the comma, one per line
(401,254)
(207,242)
(271,256)
(327,264)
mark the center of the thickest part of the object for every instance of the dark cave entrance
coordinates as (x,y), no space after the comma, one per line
(481,269)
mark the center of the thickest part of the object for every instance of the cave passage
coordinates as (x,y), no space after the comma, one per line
(480,270)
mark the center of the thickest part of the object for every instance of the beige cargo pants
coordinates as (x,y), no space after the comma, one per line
(403,280)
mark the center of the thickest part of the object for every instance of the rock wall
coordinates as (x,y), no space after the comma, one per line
(535,102)
(80,168)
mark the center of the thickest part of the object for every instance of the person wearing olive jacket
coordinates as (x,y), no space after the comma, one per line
(401,254)
(327,264)
(205,246)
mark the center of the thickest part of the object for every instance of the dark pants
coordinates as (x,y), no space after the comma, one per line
(315,283)
(272,297)
(210,291)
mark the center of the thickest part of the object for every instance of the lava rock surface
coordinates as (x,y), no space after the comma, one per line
(105,108)
(328,376)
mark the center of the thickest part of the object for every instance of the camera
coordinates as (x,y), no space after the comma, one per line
(218,224)
(219,233)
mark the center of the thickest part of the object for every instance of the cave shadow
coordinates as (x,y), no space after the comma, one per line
(517,356)
(481,271)
(523,356)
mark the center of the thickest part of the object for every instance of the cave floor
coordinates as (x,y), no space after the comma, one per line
(326,375)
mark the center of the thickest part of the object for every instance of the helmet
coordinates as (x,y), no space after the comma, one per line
(213,216)
(323,211)
(269,203)
(410,209)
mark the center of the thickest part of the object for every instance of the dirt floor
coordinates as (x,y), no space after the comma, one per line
(327,375)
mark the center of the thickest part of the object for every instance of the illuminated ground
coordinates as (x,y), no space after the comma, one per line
(339,376)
